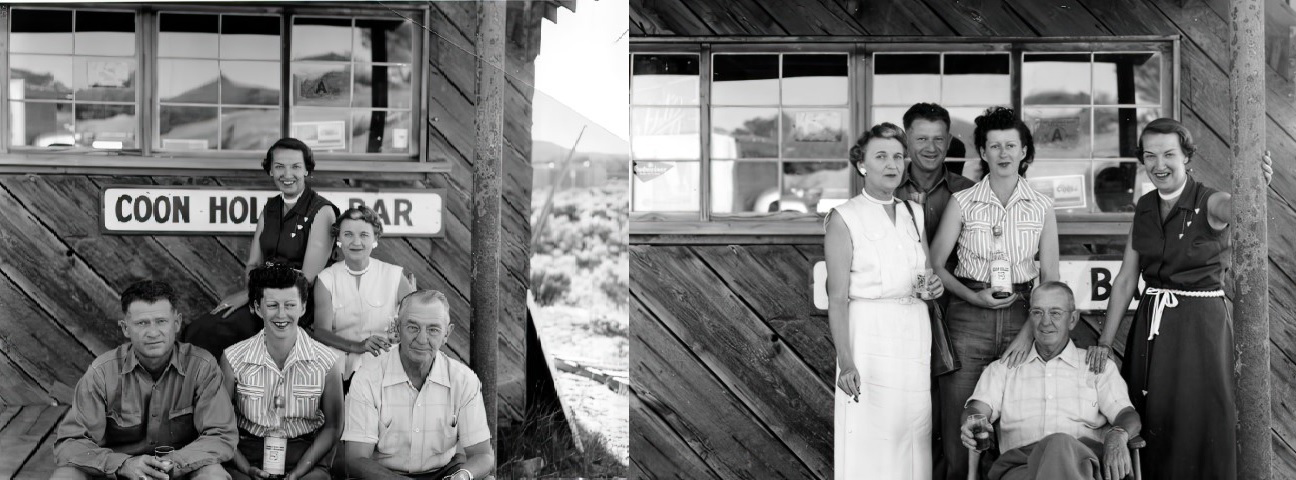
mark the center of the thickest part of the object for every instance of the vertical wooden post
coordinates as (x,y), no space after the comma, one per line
(1249,234)
(487,170)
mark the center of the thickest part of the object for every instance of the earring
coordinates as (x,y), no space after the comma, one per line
(339,244)
(375,245)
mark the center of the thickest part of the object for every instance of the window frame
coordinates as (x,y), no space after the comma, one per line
(147,104)
(861,51)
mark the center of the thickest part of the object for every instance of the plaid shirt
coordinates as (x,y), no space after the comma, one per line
(1040,398)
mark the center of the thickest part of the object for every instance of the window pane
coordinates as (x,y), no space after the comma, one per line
(664,133)
(1065,181)
(249,128)
(249,83)
(188,128)
(744,132)
(745,80)
(806,186)
(1055,79)
(323,129)
(815,133)
(1116,130)
(1127,78)
(40,76)
(665,80)
(41,31)
(1115,186)
(666,186)
(321,39)
(187,81)
(383,86)
(322,84)
(40,124)
(815,80)
(105,33)
(186,35)
(249,37)
(905,79)
(976,79)
(1059,132)
(744,187)
(380,131)
(384,41)
(105,79)
(110,127)
(963,129)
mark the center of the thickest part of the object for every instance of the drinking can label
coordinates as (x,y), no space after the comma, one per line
(275,455)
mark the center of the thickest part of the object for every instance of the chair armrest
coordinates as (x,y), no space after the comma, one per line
(1137,442)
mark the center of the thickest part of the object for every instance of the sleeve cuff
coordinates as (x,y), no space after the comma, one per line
(349,436)
(472,438)
(186,462)
(113,462)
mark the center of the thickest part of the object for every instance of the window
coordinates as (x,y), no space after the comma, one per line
(225,82)
(782,117)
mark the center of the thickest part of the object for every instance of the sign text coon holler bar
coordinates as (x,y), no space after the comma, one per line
(217,210)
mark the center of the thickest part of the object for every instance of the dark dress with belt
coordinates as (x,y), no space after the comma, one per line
(284,238)
(1181,382)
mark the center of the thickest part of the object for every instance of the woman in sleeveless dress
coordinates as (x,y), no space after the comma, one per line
(293,230)
(355,299)
(1179,357)
(875,252)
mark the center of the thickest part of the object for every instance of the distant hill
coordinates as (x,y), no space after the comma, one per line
(603,167)
(542,151)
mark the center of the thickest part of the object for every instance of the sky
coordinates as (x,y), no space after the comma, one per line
(582,77)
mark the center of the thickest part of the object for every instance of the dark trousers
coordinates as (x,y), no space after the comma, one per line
(251,446)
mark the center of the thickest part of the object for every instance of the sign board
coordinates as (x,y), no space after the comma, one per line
(1067,191)
(1090,280)
(218,210)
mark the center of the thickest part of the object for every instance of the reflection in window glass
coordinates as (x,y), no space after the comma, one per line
(106,126)
(815,133)
(744,132)
(249,83)
(1127,78)
(382,41)
(188,128)
(249,37)
(664,133)
(40,31)
(187,81)
(666,186)
(905,79)
(1116,130)
(391,91)
(1065,181)
(744,187)
(745,79)
(1056,79)
(188,35)
(815,80)
(814,187)
(323,39)
(378,131)
(1059,132)
(664,80)
(324,129)
(105,33)
(962,129)
(1116,186)
(249,128)
(40,124)
(46,77)
(976,79)
(322,84)
(104,79)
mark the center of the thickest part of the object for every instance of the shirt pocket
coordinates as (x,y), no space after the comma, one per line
(180,425)
(251,399)
(1087,407)
(1028,233)
(124,425)
(306,400)
(444,435)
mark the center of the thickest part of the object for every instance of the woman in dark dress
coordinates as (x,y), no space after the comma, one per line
(293,230)
(1179,356)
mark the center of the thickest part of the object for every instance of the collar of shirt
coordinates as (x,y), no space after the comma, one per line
(1071,354)
(303,203)
(303,350)
(126,354)
(981,192)
(907,179)
(1187,199)
(394,371)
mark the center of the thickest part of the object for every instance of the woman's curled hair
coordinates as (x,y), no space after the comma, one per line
(362,213)
(880,131)
(1003,118)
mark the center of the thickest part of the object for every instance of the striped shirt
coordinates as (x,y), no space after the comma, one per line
(1022,221)
(257,381)
(1039,398)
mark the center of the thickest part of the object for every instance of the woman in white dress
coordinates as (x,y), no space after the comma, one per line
(355,299)
(875,252)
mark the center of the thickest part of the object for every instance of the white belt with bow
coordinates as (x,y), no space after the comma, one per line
(1163,298)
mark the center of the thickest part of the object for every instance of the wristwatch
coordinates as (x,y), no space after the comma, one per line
(455,475)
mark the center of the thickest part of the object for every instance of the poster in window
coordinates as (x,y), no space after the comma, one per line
(818,126)
(329,135)
(107,74)
(1061,133)
(646,171)
(1067,191)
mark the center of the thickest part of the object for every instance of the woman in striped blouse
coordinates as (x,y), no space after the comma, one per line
(1002,213)
(283,382)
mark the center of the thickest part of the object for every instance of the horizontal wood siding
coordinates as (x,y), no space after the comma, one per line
(690,294)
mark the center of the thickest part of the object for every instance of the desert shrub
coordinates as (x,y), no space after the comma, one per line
(551,279)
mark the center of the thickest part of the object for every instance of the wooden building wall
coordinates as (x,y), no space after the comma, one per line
(60,278)
(731,363)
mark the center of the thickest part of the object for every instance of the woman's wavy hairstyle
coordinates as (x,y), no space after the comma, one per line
(362,213)
(879,131)
(276,277)
(1169,125)
(1003,118)
(289,143)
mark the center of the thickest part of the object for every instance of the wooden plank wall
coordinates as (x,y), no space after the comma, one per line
(60,278)
(731,365)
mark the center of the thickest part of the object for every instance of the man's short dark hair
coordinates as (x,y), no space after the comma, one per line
(276,277)
(926,111)
(148,291)
(1057,286)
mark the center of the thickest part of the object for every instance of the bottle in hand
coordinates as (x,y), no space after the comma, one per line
(274,454)
(1000,270)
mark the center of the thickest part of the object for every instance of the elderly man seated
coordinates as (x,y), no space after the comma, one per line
(411,409)
(151,392)
(1052,410)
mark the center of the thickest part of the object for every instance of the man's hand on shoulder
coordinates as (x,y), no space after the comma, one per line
(143,467)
